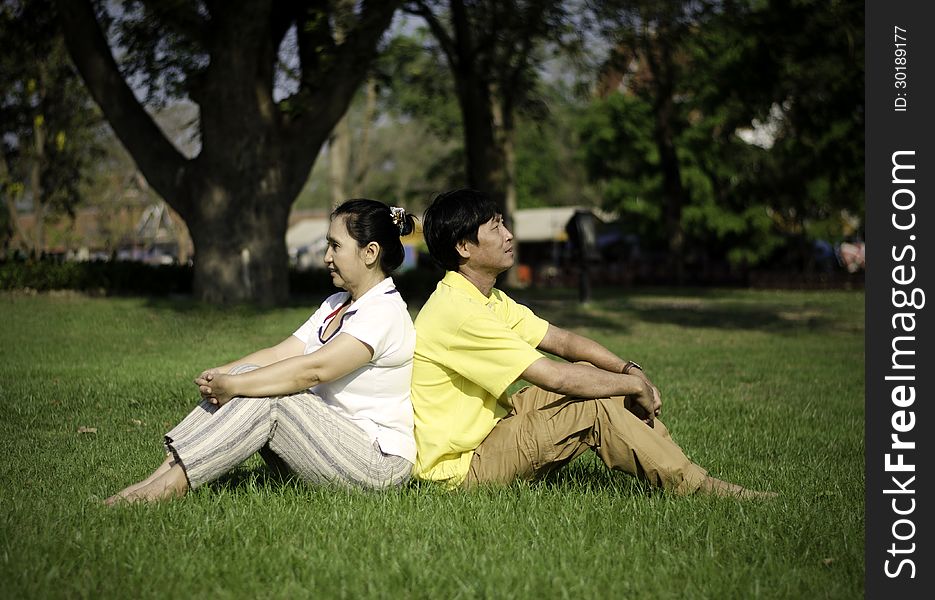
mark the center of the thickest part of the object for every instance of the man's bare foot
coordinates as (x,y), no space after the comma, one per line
(717,487)
(171,484)
(166,464)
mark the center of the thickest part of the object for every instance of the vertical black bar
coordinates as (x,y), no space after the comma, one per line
(900,369)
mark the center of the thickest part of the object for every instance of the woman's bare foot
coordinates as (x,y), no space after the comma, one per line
(166,464)
(170,484)
(717,487)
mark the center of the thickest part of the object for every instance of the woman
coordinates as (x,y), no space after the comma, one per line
(331,401)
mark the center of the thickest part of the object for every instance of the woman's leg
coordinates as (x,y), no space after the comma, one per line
(322,446)
(200,415)
(206,444)
(127,491)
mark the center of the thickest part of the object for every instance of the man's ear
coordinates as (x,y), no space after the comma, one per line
(463,250)
(371,253)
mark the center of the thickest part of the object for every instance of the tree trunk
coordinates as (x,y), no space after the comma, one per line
(672,190)
(35,184)
(664,132)
(362,163)
(504,137)
(235,195)
(239,236)
(339,161)
(5,185)
(484,158)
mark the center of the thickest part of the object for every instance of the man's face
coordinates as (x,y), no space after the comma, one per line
(494,249)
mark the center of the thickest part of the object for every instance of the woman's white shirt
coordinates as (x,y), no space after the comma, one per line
(375,396)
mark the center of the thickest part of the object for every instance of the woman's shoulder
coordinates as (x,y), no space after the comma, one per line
(390,302)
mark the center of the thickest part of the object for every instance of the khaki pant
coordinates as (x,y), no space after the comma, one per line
(545,431)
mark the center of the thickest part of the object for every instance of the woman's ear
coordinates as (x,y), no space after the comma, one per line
(371,253)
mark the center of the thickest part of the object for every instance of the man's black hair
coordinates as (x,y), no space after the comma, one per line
(453,217)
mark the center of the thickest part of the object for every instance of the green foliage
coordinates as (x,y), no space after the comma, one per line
(135,278)
(548,169)
(416,83)
(789,72)
(120,277)
(49,125)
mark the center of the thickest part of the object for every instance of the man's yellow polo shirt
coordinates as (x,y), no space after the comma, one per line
(469,349)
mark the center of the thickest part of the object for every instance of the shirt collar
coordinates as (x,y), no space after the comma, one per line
(385,286)
(458,281)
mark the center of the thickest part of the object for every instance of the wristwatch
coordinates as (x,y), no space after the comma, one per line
(631,365)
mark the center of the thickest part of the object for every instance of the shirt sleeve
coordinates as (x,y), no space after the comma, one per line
(525,322)
(491,353)
(377,324)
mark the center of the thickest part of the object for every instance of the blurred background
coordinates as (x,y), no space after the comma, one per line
(698,142)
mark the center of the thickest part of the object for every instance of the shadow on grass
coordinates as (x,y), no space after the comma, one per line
(737,317)
(243,479)
(589,474)
(620,316)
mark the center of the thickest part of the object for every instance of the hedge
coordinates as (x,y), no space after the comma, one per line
(126,277)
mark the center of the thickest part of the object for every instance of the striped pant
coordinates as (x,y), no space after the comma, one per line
(299,432)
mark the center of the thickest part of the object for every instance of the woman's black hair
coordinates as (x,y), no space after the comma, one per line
(371,221)
(453,217)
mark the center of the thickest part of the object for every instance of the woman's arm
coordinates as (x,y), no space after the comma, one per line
(289,347)
(334,360)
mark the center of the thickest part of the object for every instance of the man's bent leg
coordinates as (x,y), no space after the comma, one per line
(548,431)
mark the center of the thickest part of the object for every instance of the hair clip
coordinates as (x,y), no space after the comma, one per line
(399,217)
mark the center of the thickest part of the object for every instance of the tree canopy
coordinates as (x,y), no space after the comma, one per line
(720,130)
(51,132)
(256,148)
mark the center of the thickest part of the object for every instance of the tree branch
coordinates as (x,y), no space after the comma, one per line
(438,30)
(154,154)
(461,23)
(181,17)
(347,67)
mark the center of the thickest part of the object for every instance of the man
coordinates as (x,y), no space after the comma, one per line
(473,341)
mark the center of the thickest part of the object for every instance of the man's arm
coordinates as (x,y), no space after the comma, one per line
(586,381)
(577,348)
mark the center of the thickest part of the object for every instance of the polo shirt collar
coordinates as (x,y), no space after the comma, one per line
(458,281)
(384,287)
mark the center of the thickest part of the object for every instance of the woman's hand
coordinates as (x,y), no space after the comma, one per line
(215,387)
(205,378)
(209,373)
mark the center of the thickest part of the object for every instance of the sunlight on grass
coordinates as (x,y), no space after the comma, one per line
(762,388)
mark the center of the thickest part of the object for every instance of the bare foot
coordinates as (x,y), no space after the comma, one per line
(171,484)
(166,464)
(717,487)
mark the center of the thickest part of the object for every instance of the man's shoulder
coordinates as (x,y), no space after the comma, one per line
(448,302)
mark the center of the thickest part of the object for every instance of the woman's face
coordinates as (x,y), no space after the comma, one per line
(344,258)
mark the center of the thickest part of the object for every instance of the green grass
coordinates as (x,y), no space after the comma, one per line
(762,388)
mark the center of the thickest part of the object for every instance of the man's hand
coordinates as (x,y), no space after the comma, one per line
(657,398)
(645,404)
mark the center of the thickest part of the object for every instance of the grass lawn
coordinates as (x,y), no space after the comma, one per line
(763,388)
